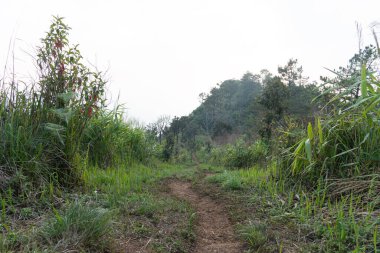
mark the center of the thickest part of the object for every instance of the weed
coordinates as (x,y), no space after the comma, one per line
(254,235)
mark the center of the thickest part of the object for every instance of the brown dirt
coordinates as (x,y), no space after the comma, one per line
(214,232)
(135,246)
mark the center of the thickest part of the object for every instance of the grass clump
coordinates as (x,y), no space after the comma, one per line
(232,183)
(79,227)
(255,235)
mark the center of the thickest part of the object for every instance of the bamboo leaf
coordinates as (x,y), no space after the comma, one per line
(310,131)
(308,149)
(344,152)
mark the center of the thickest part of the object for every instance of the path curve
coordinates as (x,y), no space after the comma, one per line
(214,232)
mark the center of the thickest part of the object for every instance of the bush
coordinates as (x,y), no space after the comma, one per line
(240,155)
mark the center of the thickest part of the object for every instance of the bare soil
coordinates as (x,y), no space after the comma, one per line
(214,231)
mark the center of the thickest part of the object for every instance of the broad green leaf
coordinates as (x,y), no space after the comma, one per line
(67,96)
(308,149)
(310,131)
(64,114)
(297,154)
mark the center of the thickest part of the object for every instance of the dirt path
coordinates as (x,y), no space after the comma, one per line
(214,232)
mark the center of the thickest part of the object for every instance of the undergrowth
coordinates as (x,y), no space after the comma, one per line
(333,224)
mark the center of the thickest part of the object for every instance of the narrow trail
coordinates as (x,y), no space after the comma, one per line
(214,232)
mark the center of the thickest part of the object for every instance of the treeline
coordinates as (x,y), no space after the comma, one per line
(251,107)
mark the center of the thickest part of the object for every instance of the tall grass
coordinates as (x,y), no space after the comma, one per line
(344,224)
(110,141)
(336,161)
(335,148)
(240,155)
(52,126)
(122,180)
(342,147)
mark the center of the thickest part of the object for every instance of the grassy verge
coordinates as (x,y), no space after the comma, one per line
(116,209)
(275,217)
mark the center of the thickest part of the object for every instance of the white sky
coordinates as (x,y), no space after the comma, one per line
(162,54)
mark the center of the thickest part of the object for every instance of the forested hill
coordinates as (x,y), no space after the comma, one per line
(229,107)
(250,105)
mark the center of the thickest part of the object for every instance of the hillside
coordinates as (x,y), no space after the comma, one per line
(246,107)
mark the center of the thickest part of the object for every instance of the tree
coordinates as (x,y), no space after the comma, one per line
(291,74)
(161,124)
(349,76)
(273,98)
(175,127)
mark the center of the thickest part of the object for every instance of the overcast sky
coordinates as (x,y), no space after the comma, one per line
(162,54)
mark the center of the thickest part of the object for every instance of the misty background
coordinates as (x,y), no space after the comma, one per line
(160,55)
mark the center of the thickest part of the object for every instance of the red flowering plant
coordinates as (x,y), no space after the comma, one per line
(71,93)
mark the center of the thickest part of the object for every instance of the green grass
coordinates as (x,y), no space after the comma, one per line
(78,227)
(255,235)
(340,224)
(116,204)
(121,180)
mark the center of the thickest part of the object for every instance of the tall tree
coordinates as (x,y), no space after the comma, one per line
(292,74)
(161,124)
(273,98)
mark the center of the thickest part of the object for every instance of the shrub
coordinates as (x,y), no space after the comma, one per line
(240,155)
